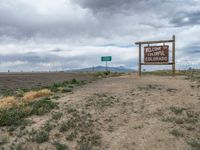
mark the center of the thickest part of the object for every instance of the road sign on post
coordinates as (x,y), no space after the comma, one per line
(157,55)
(106,59)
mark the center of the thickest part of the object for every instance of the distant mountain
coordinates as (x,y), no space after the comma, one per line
(103,68)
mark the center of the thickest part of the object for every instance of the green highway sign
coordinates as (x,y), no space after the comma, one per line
(106,58)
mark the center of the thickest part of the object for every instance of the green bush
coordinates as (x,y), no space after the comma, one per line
(66,90)
(19,146)
(42,106)
(16,115)
(177,110)
(71,136)
(57,86)
(61,146)
(194,144)
(107,72)
(40,137)
(54,87)
(56,97)
(71,86)
(48,127)
(57,115)
(7,92)
(12,116)
(74,81)
(176,133)
(64,127)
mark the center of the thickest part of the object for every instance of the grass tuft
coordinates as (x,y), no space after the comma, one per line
(19,146)
(30,96)
(40,137)
(57,115)
(194,144)
(16,115)
(177,110)
(48,126)
(60,146)
(71,136)
(176,133)
(4,139)
(64,127)
(8,102)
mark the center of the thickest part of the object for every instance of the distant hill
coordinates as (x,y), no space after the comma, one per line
(103,68)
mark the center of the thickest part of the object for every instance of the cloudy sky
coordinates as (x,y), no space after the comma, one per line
(69,34)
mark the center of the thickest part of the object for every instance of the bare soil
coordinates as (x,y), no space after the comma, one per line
(15,81)
(121,113)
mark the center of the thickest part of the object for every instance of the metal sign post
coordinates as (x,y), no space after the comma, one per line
(106,66)
(156,55)
(106,59)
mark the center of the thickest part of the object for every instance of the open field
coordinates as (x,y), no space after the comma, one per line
(10,82)
(15,81)
(115,113)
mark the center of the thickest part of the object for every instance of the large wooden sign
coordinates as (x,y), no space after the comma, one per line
(154,54)
(157,55)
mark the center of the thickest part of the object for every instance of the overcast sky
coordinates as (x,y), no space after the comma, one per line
(69,34)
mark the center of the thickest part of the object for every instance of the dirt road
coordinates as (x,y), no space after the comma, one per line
(127,113)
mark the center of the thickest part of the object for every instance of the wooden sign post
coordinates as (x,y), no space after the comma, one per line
(156,55)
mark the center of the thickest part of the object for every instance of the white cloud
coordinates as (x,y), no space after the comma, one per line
(80,32)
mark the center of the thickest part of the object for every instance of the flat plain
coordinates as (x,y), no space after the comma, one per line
(115,113)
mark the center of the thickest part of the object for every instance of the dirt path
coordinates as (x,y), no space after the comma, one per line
(135,121)
(127,112)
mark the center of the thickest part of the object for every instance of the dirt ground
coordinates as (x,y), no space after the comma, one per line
(125,113)
(33,80)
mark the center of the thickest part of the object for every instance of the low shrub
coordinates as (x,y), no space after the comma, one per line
(177,110)
(64,127)
(57,115)
(176,133)
(16,115)
(48,126)
(66,90)
(194,144)
(40,137)
(61,146)
(7,92)
(42,106)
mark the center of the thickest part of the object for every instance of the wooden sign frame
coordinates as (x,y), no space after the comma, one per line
(157,63)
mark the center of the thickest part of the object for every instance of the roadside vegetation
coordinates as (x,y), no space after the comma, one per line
(65,86)
(169,72)
(15,115)
(25,103)
(185,125)
(17,108)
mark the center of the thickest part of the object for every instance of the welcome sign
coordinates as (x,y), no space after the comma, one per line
(155,54)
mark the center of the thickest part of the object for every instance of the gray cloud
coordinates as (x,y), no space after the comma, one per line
(102,19)
(186,18)
(21,20)
(102,5)
(192,50)
(112,24)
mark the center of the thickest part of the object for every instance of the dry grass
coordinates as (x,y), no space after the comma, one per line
(8,102)
(32,95)
(11,101)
